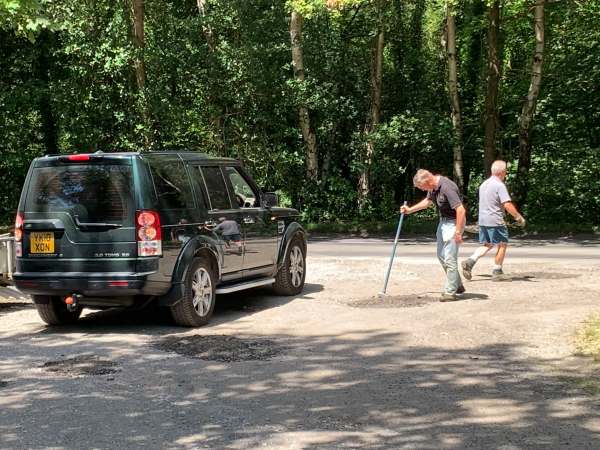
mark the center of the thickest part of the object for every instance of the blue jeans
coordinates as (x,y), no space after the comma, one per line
(447,253)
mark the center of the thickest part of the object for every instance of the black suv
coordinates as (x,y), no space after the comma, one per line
(126,229)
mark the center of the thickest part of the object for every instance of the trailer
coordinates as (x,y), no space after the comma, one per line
(7,259)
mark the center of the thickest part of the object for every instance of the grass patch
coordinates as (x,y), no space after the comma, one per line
(587,340)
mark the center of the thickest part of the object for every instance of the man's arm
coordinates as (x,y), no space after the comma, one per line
(461,218)
(512,210)
(423,204)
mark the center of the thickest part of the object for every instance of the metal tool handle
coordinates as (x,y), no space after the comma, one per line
(387,275)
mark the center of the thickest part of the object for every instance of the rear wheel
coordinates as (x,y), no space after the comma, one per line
(198,303)
(54,311)
(290,278)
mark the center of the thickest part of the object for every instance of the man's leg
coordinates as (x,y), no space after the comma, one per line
(497,273)
(469,263)
(440,245)
(486,245)
(453,281)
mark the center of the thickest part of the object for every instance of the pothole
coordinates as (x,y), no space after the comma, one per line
(548,275)
(221,348)
(395,301)
(81,366)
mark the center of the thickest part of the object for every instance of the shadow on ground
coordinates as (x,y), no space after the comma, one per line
(361,390)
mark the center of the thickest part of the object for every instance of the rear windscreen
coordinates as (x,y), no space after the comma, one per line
(94,193)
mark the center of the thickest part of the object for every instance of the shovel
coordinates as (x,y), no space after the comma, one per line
(387,275)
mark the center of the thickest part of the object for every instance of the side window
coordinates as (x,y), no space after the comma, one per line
(215,185)
(245,196)
(172,185)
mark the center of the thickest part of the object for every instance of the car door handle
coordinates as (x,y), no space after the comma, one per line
(248,220)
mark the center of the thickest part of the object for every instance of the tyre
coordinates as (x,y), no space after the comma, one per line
(55,312)
(290,278)
(198,303)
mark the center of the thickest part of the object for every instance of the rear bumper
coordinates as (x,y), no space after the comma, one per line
(89,285)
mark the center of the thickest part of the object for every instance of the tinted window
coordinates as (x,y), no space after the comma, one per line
(243,192)
(172,185)
(95,193)
(217,191)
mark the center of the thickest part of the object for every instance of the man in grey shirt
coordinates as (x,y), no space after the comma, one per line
(494,199)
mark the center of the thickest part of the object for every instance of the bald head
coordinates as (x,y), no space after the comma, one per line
(499,169)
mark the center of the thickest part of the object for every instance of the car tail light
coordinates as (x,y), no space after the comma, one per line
(147,233)
(19,235)
(78,157)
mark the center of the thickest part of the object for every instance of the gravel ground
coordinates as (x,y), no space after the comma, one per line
(336,367)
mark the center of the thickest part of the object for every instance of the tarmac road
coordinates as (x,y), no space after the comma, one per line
(409,248)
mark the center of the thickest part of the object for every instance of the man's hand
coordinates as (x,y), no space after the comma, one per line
(521,221)
(458,237)
(405,209)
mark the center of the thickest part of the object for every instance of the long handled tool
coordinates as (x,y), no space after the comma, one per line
(387,275)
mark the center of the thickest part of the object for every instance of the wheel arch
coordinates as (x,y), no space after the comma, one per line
(293,230)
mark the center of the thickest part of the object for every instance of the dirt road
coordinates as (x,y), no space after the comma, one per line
(333,368)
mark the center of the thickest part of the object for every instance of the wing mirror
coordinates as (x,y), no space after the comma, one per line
(270,199)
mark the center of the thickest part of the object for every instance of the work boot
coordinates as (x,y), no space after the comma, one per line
(448,297)
(467,266)
(498,275)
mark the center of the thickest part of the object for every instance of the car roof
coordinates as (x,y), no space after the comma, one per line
(184,155)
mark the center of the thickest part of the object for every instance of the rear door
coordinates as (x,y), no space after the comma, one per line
(259,230)
(79,215)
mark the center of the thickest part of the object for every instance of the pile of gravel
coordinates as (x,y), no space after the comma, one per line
(221,348)
(81,366)
(394,301)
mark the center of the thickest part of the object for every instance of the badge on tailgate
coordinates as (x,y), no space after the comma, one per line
(41,242)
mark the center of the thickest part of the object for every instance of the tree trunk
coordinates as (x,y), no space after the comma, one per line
(215,110)
(137,12)
(42,69)
(526,119)
(208,32)
(364,182)
(493,80)
(310,140)
(455,113)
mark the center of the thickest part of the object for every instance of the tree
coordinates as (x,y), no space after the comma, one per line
(376,78)
(455,113)
(138,39)
(490,152)
(308,134)
(529,105)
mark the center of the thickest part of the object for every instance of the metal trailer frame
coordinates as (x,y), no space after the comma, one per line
(7,258)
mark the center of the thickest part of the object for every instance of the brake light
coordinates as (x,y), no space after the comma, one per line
(147,233)
(78,157)
(19,234)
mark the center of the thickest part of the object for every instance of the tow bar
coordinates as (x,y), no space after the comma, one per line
(72,301)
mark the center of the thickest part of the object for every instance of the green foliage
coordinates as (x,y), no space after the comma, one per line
(221,82)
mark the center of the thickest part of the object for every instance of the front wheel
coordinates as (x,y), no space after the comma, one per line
(196,307)
(291,276)
(54,311)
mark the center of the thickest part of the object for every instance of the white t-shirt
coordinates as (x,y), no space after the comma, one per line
(492,196)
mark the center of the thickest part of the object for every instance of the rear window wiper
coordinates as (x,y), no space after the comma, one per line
(95,225)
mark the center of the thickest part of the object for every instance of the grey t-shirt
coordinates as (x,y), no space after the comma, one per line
(492,196)
(446,197)
(228,228)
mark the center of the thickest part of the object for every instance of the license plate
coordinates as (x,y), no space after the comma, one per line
(41,242)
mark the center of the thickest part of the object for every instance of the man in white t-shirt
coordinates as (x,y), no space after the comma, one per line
(494,200)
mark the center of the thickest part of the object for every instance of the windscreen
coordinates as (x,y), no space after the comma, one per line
(95,193)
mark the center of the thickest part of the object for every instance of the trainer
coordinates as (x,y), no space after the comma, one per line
(446,196)
(493,201)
